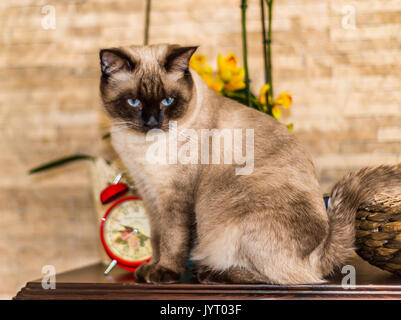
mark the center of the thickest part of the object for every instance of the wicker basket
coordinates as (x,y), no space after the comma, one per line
(378,232)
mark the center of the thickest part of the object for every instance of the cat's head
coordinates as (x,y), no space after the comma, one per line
(143,87)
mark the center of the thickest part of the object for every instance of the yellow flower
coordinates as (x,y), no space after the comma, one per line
(284,99)
(225,75)
(228,63)
(229,76)
(237,81)
(276,111)
(214,83)
(205,71)
(234,85)
(290,127)
(262,95)
(217,85)
(230,73)
(197,61)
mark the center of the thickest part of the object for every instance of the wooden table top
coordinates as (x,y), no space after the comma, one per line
(90,283)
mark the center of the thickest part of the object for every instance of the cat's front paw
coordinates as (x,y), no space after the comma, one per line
(155,273)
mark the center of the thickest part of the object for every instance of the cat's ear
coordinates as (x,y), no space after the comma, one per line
(177,58)
(113,60)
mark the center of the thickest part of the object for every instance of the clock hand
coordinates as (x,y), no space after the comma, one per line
(135,230)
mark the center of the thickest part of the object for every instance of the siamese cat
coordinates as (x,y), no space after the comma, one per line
(267,226)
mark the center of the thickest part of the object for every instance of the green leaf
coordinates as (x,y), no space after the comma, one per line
(120,240)
(142,239)
(128,228)
(61,162)
(240,96)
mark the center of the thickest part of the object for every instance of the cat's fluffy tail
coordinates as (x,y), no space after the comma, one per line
(347,195)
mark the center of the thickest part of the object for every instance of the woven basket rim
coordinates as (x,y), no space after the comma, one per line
(383,202)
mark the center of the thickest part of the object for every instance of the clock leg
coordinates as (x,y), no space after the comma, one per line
(110,267)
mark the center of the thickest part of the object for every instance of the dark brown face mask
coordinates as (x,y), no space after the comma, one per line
(145,88)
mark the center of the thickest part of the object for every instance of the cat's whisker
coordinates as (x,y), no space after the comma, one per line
(119,129)
(121,123)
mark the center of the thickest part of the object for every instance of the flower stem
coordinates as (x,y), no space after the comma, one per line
(269,4)
(262,12)
(147,22)
(244,5)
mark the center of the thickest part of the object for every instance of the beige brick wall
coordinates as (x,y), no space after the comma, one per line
(345,83)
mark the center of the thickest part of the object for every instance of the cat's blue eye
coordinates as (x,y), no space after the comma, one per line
(167,102)
(133,102)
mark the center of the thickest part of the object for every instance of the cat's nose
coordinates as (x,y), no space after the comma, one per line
(152,122)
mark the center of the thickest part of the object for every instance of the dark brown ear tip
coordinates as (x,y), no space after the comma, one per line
(191,50)
(194,48)
(176,48)
(101,51)
(113,60)
(114,51)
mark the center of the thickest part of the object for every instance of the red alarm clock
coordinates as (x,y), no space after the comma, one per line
(124,229)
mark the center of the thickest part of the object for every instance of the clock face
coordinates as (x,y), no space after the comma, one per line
(126,231)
